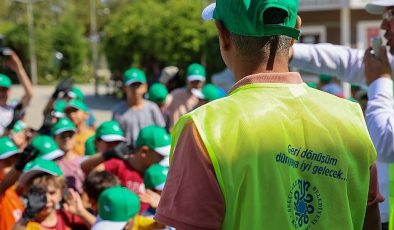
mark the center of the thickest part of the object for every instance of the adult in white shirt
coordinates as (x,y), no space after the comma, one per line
(359,66)
(6,108)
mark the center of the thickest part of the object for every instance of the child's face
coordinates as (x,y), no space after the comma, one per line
(78,117)
(4,92)
(54,196)
(20,139)
(103,146)
(136,90)
(66,141)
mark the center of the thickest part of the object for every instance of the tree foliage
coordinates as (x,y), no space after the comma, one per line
(168,32)
(141,33)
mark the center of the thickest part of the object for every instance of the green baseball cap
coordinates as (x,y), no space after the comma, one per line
(245,17)
(209,93)
(195,72)
(116,206)
(7,148)
(325,78)
(47,147)
(76,93)
(39,166)
(58,108)
(134,75)
(155,177)
(312,84)
(157,139)
(63,125)
(19,127)
(110,131)
(157,93)
(5,81)
(77,104)
(90,148)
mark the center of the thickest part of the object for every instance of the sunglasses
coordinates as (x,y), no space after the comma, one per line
(388,15)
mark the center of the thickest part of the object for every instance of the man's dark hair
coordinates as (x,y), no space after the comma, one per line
(264,47)
(96,182)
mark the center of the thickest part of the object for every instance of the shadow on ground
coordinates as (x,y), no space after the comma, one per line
(101,102)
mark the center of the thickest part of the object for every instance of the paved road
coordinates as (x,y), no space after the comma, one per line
(100,105)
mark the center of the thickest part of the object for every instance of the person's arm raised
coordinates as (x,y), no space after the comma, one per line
(15,64)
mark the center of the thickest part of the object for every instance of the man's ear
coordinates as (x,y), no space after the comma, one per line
(297,26)
(224,36)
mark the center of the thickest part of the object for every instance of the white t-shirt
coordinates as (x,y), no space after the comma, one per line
(6,114)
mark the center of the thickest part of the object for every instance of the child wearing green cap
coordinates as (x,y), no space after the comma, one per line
(207,94)
(108,135)
(154,178)
(182,101)
(11,207)
(76,93)
(64,134)
(136,113)
(44,186)
(117,206)
(6,109)
(158,94)
(19,134)
(152,146)
(77,112)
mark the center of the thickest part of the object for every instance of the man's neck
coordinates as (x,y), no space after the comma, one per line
(245,68)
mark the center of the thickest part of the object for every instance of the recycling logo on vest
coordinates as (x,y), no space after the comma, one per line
(304,204)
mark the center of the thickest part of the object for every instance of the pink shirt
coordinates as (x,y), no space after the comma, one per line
(72,172)
(180,102)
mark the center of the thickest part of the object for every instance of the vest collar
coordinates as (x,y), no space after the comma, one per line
(287,78)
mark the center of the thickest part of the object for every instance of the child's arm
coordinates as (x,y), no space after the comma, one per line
(9,180)
(15,64)
(75,206)
(94,162)
(20,225)
(28,154)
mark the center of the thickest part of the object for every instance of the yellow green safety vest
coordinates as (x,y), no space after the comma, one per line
(287,156)
(391,197)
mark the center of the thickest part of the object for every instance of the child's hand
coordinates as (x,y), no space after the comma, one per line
(74,203)
(28,154)
(36,202)
(120,152)
(150,198)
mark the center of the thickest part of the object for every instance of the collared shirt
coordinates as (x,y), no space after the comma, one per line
(192,198)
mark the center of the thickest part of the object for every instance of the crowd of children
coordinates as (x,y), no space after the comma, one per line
(71,174)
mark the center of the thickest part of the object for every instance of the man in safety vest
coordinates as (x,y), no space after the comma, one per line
(275,153)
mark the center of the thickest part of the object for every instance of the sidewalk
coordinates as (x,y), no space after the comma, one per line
(101,105)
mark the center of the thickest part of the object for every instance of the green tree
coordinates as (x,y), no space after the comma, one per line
(168,32)
(68,39)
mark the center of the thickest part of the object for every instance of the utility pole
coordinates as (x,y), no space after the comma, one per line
(94,40)
(33,58)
